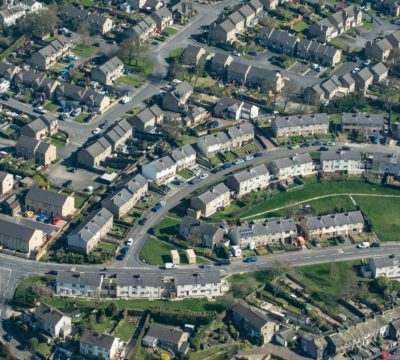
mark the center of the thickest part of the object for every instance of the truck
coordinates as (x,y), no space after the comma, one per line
(169,266)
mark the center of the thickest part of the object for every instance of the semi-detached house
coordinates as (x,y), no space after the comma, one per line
(44,126)
(30,148)
(101,346)
(107,73)
(147,120)
(90,231)
(49,55)
(160,171)
(10,16)
(289,167)
(388,266)
(184,157)
(94,154)
(345,161)
(244,182)
(383,163)
(212,200)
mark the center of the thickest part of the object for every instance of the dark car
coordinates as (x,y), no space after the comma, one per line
(375,245)
(103,125)
(120,257)
(150,231)
(4,97)
(97,44)
(194,181)
(341,239)
(67,183)
(124,250)
(52,272)
(323,148)
(226,166)
(223,262)
(250,260)
(253,53)
(8,337)
(258,154)
(142,221)
(215,170)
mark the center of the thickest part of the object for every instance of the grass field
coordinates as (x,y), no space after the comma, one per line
(130,81)
(157,252)
(144,67)
(84,51)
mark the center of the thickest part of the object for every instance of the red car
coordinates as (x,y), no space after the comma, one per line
(56,221)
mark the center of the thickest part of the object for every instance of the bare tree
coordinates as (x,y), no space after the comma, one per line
(84,33)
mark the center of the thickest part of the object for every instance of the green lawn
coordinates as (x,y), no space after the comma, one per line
(203,82)
(300,26)
(187,139)
(59,139)
(208,353)
(170,31)
(50,106)
(144,67)
(81,117)
(157,252)
(80,200)
(185,173)
(130,81)
(368,25)
(124,330)
(84,51)
(339,44)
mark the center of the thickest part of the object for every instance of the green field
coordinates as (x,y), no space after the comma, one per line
(84,51)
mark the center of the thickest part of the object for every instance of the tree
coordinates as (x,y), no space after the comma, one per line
(40,23)
(33,343)
(280,268)
(84,33)
(244,287)
(228,301)
(349,288)
(111,309)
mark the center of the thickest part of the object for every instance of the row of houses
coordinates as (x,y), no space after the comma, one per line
(164,169)
(17,11)
(336,24)
(385,325)
(346,84)
(179,285)
(226,28)
(380,50)
(234,137)
(283,42)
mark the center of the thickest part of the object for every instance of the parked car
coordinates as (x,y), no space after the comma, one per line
(367,62)
(206,266)
(226,166)
(249,157)
(129,242)
(7,337)
(96,131)
(203,176)
(125,99)
(250,260)
(223,262)
(76,111)
(124,250)
(56,220)
(258,154)
(238,161)
(375,245)
(41,218)
(363,245)
(28,213)
(142,221)
(216,169)
(236,53)
(120,257)
(194,181)
(156,207)
(67,183)
(103,125)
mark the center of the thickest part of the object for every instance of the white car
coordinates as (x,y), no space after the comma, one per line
(236,53)
(238,161)
(367,62)
(363,245)
(129,242)
(203,176)
(357,69)
(315,66)
(125,99)
(249,157)
(96,131)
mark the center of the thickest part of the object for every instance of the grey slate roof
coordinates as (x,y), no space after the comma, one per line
(205,228)
(252,315)
(136,183)
(340,155)
(270,227)
(165,333)
(111,65)
(182,152)
(93,338)
(216,138)
(252,173)
(240,130)
(48,314)
(379,69)
(47,197)
(162,164)
(282,122)
(385,261)
(12,229)
(373,120)
(79,278)
(293,161)
(197,278)
(214,193)
(339,219)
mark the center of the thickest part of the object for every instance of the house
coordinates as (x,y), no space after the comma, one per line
(195,115)
(7,70)
(270,4)
(254,322)
(285,336)
(378,50)
(92,155)
(184,157)
(101,346)
(89,99)
(192,55)
(30,148)
(119,133)
(246,181)
(52,321)
(6,182)
(380,72)
(11,15)
(314,345)
(268,80)
(258,235)
(388,266)
(394,39)
(72,17)
(363,79)
(176,99)
(20,238)
(35,84)
(336,24)
(200,233)
(314,95)
(289,167)
(211,144)
(31,5)
(345,161)
(160,171)
(124,199)
(333,225)
(300,125)
(219,64)
(49,202)
(49,55)
(279,41)
(78,284)
(366,124)
(163,18)
(229,108)
(318,53)
(257,6)
(383,163)
(147,120)
(107,73)
(90,231)
(166,337)
(42,127)
(237,72)
(240,134)
(144,29)
(182,11)
(212,200)
(224,31)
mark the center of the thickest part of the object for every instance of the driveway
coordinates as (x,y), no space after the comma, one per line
(81,179)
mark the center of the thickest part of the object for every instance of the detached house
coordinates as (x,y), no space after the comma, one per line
(380,72)
(160,171)
(166,337)
(52,321)
(163,18)
(364,79)
(31,148)
(101,346)
(244,182)
(289,167)
(94,227)
(379,50)
(94,154)
(107,73)
(200,233)
(333,225)
(212,200)
(255,323)
(388,266)
(192,55)
(46,57)
(176,99)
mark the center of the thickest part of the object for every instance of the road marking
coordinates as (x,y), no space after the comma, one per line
(136,268)
(5,269)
